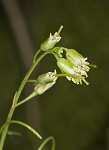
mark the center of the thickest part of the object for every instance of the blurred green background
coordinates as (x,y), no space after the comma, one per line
(77,116)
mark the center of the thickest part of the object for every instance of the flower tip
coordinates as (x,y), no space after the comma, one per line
(60,29)
(92,65)
(61,26)
(40,137)
(87,83)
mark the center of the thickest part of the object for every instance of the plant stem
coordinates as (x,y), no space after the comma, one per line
(16,98)
(69,75)
(36,55)
(27,98)
(26,126)
(46,141)
(56,56)
(31,81)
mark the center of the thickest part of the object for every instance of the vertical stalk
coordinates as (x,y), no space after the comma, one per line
(16,98)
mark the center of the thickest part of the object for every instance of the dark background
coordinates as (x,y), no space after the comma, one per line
(77,116)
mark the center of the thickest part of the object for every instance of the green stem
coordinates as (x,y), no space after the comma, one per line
(16,98)
(69,75)
(46,141)
(31,81)
(27,98)
(26,126)
(2,127)
(55,55)
(36,55)
(65,49)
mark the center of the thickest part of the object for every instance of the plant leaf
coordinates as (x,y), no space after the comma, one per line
(14,133)
(26,126)
(46,141)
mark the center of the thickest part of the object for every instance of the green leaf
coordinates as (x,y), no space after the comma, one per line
(9,132)
(46,141)
(26,126)
(14,133)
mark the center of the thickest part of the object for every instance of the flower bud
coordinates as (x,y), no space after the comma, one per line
(65,66)
(78,61)
(47,77)
(51,41)
(74,57)
(41,88)
(45,81)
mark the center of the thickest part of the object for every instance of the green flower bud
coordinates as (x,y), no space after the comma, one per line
(47,77)
(51,41)
(45,81)
(75,58)
(41,88)
(78,61)
(65,66)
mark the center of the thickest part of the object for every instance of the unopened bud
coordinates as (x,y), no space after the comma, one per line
(78,61)
(47,77)
(41,88)
(51,41)
(45,81)
(74,57)
(65,66)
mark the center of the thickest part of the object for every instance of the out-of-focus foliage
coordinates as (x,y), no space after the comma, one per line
(77,116)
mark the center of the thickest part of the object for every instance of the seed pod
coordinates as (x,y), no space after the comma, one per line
(41,88)
(47,77)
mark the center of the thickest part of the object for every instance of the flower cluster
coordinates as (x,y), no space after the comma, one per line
(72,65)
(75,65)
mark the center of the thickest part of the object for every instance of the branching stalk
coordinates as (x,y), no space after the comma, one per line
(16,98)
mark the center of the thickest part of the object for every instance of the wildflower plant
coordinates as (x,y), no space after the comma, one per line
(72,65)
